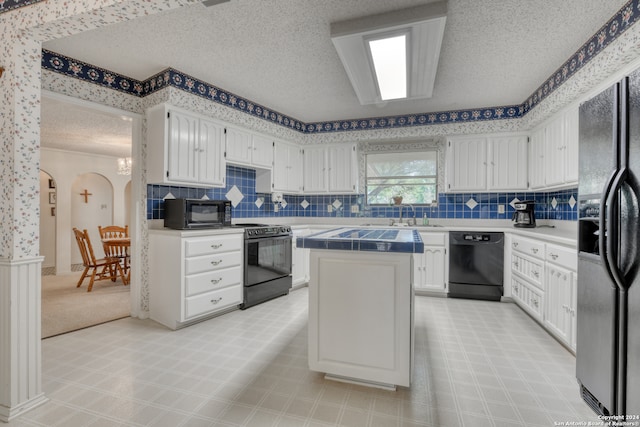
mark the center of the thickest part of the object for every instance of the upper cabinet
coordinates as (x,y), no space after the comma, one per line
(248,149)
(553,158)
(286,176)
(330,169)
(487,163)
(184,148)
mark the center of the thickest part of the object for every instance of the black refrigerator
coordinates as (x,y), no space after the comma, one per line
(608,289)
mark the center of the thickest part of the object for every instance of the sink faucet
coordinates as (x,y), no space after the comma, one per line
(412,221)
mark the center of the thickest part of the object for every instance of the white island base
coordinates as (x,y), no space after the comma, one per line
(361,316)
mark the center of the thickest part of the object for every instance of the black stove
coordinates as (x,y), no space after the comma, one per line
(267,262)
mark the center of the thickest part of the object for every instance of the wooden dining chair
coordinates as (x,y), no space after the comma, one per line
(116,251)
(103,268)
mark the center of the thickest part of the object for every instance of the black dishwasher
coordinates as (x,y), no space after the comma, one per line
(476,265)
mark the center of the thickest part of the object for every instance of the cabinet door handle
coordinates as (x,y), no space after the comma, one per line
(216,281)
(515,264)
(515,244)
(216,246)
(216,300)
(553,256)
(536,273)
(534,250)
(218,262)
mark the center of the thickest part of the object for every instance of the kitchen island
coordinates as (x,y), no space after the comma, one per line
(361,304)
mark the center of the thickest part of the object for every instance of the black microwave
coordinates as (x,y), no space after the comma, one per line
(186,214)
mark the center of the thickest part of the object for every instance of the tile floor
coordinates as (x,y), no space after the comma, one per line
(476,364)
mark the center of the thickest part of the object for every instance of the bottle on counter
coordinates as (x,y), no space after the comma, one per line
(425,219)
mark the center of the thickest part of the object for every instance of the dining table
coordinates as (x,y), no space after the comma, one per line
(118,247)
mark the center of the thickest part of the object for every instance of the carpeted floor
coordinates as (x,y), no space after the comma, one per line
(66,308)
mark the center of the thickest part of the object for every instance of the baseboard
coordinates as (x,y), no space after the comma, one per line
(7,414)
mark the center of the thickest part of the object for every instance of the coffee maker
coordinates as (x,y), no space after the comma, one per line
(524,216)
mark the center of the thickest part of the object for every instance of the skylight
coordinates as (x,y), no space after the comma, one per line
(389,57)
(394,55)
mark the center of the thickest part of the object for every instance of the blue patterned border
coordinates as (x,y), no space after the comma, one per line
(618,24)
(627,16)
(83,71)
(7,5)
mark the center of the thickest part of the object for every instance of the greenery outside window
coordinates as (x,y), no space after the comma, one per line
(411,175)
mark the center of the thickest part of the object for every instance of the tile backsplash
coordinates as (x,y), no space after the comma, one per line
(556,205)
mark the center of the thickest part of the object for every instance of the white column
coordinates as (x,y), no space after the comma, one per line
(20,337)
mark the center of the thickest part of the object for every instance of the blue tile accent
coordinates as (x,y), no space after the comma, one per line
(450,205)
(365,239)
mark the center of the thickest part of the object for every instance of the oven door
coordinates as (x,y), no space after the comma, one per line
(267,259)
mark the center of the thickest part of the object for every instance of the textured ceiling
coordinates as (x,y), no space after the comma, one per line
(71,127)
(279,53)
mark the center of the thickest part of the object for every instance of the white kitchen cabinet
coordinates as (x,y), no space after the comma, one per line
(487,163)
(361,316)
(559,311)
(536,159)
(248,148)
(560,315)
(430,266)
(184,148)
(553,158)
(527,275)
(467,164)
(528,297)
(193,275)
(330,169)
(287,168)
(554,149)
(508,158)
(315,170)
(299,259)
(572,137)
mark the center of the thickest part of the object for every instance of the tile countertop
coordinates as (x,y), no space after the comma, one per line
(371,239)
(560,232)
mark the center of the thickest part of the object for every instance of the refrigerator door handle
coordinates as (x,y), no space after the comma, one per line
(611,234)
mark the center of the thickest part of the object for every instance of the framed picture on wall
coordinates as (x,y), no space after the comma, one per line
(52,197)
(52,183)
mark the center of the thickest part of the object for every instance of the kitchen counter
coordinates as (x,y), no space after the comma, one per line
(360,304)
(375,239)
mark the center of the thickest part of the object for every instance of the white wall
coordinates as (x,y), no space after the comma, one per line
(65,167)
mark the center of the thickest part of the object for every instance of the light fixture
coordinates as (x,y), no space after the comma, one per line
(412,37)
(124,166)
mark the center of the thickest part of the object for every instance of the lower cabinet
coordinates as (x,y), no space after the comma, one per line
(429,267)
(193,275)
(561,284)
(528,297)
(544,284)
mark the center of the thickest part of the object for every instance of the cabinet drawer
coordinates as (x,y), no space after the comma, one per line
(211,280)
(210,245)
(563,256)
(433,239)
(529,247)
(528,297)
(211,262)
(530,268)
(212,301)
